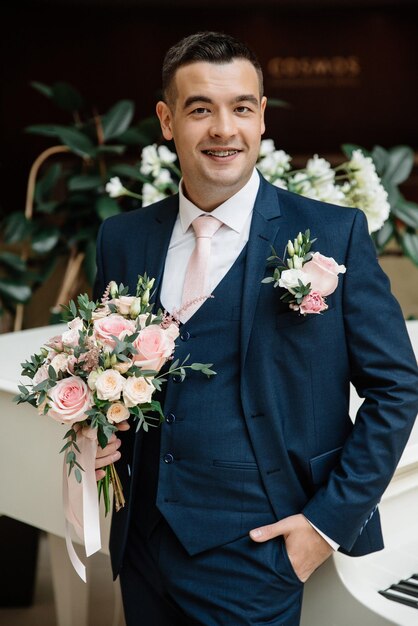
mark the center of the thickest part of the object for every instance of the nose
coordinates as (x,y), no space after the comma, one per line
(224,125)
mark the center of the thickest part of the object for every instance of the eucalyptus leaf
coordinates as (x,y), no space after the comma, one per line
(348,149)
(380,158)
(117,120)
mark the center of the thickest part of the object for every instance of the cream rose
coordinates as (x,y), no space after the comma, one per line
(154,346)
(69,400)
(137,390)
(117,412)
(109,385)
(60,362)
(123,304)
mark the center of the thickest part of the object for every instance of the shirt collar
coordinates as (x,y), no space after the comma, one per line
(233,212)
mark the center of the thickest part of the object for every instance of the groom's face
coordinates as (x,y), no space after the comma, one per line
(216,118)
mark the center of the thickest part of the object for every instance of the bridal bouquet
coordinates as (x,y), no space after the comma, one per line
(105,368)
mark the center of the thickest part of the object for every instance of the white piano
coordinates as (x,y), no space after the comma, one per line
(343,592)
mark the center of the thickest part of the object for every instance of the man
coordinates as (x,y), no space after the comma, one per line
(257,474)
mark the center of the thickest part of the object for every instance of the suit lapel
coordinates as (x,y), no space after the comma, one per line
(158,239)
(264,229)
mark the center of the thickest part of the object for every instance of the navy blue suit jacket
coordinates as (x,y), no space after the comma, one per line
(295,370)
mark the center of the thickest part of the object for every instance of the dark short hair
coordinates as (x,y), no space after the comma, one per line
(209,47)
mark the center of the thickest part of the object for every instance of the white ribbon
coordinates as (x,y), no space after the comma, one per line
(81,503)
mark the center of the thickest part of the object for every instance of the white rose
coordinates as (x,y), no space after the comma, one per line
(123,304)
(92,378)
(115,188)
(116,413)
(289,279)
(137,390)
(109,385)
(122,366)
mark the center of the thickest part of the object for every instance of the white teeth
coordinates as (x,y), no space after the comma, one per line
(221,153)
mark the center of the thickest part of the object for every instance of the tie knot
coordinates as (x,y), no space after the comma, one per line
(206,226)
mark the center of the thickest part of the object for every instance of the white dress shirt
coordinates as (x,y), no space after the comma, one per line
(227,244)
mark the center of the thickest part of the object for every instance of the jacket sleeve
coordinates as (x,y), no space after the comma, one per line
(384,373)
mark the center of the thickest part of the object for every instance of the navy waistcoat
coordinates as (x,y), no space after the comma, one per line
(209,486)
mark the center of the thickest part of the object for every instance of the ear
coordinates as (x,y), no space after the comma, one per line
(262,110)
(165,116)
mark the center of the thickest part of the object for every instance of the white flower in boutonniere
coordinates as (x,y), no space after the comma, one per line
(307,277)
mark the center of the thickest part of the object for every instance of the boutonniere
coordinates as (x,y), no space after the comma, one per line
(308,277)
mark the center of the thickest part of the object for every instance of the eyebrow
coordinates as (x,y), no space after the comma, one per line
(244,98)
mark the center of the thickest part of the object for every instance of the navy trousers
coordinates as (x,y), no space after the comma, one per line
(239,584)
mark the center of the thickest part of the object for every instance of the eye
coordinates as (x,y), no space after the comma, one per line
(243,109)
(200,111)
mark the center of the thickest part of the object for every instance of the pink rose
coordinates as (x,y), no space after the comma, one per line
(69,400)
(322,272)
(71,336)
(112,325)
(312,303)
(154,346)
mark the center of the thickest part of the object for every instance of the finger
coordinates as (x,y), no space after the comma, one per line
(123,425)
(264,533)
(100,474)
(109,449)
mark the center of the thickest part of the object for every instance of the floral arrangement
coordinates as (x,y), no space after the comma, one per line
(105,369)
(102,370)
(307,277)
(354,183)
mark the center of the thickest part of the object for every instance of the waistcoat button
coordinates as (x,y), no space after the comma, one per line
(170,418)
(168,458)
(185,335)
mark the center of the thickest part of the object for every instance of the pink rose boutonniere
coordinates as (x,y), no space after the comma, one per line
(307,277)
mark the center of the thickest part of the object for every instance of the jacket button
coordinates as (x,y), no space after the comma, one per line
(185,335)
(170,418)
(168,458)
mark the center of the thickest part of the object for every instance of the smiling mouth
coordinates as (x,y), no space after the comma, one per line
(221,153)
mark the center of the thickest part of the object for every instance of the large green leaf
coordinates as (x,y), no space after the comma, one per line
(77,141)
(46,130)
(83,182)
(106,207)
(66,97)
(348,149)
(278,104)
(407,212)
(14,292)
(46,184)
(127,171)
(17,228)
(45,239)
(42,88)
(382,236)
(133,137)
(409,243)
(117,120)
(13,261)
(380,158)
(401,162)
(111,149)
(46,207)
(150,129)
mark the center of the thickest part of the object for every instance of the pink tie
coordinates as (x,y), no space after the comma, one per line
(196,280)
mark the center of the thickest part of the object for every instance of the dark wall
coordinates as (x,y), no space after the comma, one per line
(347,70)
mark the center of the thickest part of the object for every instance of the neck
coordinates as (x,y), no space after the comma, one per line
(209,198)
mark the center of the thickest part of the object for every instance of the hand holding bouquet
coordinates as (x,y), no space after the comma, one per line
(104,369)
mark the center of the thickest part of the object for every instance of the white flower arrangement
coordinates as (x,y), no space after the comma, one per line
(354,183)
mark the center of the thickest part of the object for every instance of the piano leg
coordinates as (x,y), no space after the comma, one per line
(70,592)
